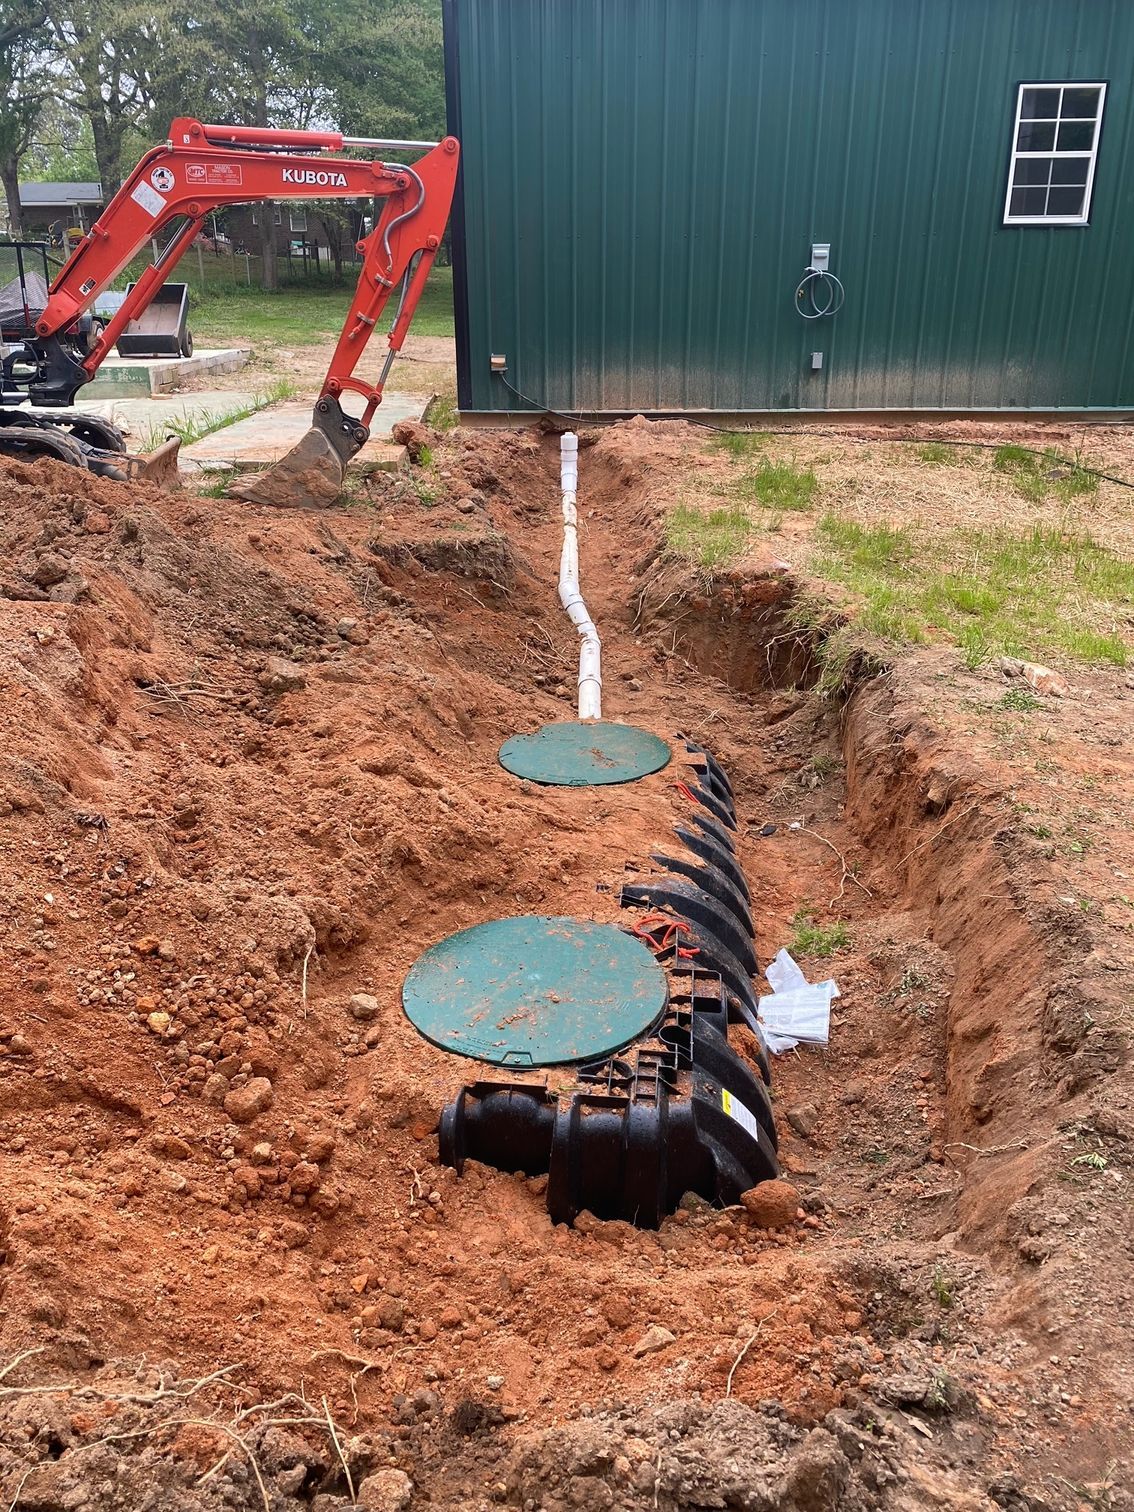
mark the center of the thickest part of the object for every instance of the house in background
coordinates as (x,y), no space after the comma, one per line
(300,229)
(51,210)
(744,206)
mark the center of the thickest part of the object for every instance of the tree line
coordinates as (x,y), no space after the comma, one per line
(89,84)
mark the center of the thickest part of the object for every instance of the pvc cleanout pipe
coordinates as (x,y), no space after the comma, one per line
(590,649)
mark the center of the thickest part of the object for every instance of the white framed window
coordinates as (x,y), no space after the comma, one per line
(278,215)
(1055,144)
(298,218)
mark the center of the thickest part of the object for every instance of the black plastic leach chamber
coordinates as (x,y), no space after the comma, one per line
(658,1102)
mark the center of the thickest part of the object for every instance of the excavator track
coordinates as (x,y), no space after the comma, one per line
(29,441)
(94,431)
(85,441)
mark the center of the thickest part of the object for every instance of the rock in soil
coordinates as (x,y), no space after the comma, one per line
(363,1006)
(803,1118)
(1044,680)
(282,676)
(386,1490)
(655,1337)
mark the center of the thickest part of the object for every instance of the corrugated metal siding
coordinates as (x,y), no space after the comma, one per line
(643,180)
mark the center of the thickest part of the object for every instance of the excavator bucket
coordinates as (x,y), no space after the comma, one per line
(159,467)
(310,476)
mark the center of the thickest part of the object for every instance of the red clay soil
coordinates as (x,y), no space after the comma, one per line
(248,771)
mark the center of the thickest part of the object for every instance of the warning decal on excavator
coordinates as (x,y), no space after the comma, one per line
(149,199)
(214,173)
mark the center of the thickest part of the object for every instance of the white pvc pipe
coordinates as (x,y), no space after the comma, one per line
(590,651)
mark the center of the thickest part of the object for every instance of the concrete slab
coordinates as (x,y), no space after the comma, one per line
(131,376)
(265,437)
(142,417)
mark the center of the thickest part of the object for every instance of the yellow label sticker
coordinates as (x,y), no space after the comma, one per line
(740,1114)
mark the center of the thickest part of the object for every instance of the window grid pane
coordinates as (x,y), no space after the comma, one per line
(1075,136)
(1040,104)
(1032,171)
(1064,202)
(1080,104)
(1036,136)
(1066,171)
(1056,138)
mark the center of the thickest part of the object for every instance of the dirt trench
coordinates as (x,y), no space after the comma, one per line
(928,833)
(249,774)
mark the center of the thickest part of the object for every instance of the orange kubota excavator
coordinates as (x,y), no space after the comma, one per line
(175,188)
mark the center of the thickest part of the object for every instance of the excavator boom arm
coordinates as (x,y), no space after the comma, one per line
(203,168)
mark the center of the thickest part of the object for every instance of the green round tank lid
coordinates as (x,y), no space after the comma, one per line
(535,991)
(573,754)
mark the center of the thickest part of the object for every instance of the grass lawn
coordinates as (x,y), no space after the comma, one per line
(304,314)
(1003,551)
(1042,592)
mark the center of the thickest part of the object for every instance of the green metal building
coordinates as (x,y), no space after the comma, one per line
(740,206)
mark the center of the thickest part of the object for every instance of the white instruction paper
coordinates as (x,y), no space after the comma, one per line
(796,1011)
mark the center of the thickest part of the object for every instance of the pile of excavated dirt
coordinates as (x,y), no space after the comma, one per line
(248,772)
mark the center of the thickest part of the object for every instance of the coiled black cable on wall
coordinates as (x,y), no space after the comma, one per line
(813,280)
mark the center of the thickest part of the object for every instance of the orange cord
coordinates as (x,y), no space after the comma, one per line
(671,930)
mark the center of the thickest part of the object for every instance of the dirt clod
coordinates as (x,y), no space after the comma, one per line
(243,1104)
(415,437)
(772,1204)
